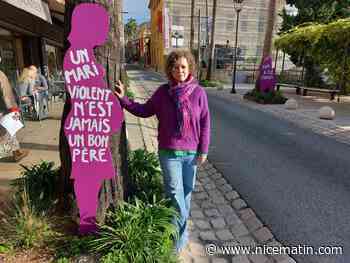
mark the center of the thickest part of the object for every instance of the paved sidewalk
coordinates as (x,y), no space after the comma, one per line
(218,215)
(41,139)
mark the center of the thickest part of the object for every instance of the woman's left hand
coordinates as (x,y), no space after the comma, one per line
(201,159)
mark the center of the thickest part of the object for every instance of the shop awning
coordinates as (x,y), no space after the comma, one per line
(37,8)
(19,20)
(57,6)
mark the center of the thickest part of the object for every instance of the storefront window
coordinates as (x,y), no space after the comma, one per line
(54,63)
(8,56)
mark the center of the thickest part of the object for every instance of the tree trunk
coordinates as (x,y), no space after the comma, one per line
(268,36)
(107,55)
(212,43)
(269,29)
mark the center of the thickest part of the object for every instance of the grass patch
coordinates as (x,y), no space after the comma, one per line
(22,227)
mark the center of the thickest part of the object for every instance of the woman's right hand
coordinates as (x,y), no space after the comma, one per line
(119,89)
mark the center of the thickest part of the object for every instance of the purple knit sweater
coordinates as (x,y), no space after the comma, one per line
(163,107)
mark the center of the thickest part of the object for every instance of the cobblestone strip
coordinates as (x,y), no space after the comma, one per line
(322,127)
(218,215)
(145,134)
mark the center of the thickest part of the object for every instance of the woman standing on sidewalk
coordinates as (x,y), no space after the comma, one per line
(183,131)
(9,146)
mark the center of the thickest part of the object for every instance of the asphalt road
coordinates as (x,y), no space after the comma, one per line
(296,181)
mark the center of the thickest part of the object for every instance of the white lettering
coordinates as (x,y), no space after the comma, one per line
(81,56)
(75,153)
(81,74)
(78,108)
(76,140)
(69,74)
(87,71)
(99,141)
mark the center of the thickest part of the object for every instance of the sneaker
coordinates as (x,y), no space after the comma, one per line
(19,154)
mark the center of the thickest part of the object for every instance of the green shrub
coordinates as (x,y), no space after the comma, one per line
(346,90)
(138,232)
(39,182)
(271,97)
(213,83)
(204,83)
(71,246)
(21,227)
(145,175)
(63,260)
(4,248)
(130,94)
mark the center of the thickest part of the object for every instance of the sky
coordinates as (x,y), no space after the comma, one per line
(137,9)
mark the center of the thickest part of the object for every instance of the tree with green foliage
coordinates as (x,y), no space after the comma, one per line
(312,11)
(326,45)
(130,28)
(320,11)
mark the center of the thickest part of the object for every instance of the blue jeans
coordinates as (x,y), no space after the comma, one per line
(179,175)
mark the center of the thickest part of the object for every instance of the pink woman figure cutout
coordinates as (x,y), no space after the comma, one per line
(95,112)
(267,77)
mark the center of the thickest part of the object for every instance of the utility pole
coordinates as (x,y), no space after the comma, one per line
(212,42)
(192,24)
(235,56)
(207,15)
(199,44)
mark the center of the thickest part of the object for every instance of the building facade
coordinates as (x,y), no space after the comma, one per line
(251,28)
(144,37)
(31,33)
(157,39)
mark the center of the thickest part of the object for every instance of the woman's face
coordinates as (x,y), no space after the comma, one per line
(181,70)
(32,73)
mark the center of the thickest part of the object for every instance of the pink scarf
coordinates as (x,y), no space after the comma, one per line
(180,93)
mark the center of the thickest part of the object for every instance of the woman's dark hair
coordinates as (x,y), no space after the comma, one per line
(174,56)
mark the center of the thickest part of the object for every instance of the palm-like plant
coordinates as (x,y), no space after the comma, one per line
(138,232)
(145,175)
(39,182)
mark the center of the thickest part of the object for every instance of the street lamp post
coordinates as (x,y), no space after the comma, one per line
(238,5)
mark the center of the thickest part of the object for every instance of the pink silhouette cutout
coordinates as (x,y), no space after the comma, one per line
(267,78)
(95,113)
